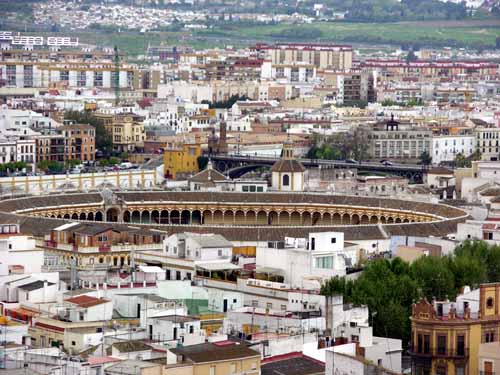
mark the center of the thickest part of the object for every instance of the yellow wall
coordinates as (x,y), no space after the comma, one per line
(183,160)
(181,370)
(474,344)
(225,368)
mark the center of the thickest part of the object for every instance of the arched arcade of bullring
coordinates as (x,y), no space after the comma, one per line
(232,209)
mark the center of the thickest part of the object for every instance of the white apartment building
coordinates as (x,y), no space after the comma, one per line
(28,74)
(16,118)
(446,147)
(88,309)
(183,329)
(294,72)
(321,256)
(19,250)
(185,253)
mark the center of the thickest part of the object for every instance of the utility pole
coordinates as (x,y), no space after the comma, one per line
(117,76)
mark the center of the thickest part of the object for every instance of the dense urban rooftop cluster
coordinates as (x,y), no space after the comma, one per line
(276,208)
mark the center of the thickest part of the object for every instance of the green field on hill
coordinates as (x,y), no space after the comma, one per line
(471,34)
(474,34)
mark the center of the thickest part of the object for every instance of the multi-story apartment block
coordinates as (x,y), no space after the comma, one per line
(296,72)
(80,142)
(487,139)
(51,147)
(445,147)
(395,143)
(68,74)
(355,87)
(454,95)
(320,55)
(446,336)
(15,148)
(127,132)
(433,68)
(233,68)
(7,151)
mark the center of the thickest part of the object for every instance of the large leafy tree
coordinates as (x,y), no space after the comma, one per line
(389,288)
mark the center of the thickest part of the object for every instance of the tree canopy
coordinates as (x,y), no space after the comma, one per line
(390,287)
(341,146)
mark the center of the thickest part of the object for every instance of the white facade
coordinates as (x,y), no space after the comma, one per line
(352,324)
(321,257)
(102,311)
(20,250)
(175,327)
(45,293)
(288,181)
(446,147)
(198,247)
(187,91)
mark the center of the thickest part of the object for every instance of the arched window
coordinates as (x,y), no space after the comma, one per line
(286,180)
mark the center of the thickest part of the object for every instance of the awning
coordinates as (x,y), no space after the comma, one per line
(218,266)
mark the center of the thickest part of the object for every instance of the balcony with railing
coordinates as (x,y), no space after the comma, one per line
(439,352)
(98,249)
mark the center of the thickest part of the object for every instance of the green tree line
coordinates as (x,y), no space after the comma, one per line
(390,287)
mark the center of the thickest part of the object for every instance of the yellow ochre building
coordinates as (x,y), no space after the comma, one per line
(448,338)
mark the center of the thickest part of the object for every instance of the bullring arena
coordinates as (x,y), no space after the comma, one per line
(237,216)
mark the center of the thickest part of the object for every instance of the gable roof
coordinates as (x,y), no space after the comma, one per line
(209,240)
(208,175)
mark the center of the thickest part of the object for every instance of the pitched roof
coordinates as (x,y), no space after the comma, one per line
(210,352)
(91,230)
(87,301)
(209,240)
(288,165)
(208,175)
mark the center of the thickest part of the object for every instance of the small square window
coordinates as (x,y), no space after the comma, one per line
(334,240)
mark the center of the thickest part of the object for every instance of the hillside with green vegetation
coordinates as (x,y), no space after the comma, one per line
(474,34)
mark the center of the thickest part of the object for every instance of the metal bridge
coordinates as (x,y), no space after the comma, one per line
(237,165)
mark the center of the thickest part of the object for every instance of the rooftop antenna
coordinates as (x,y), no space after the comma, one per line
(117,76)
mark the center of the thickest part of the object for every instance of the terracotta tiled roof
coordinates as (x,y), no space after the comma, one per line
(288,165)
